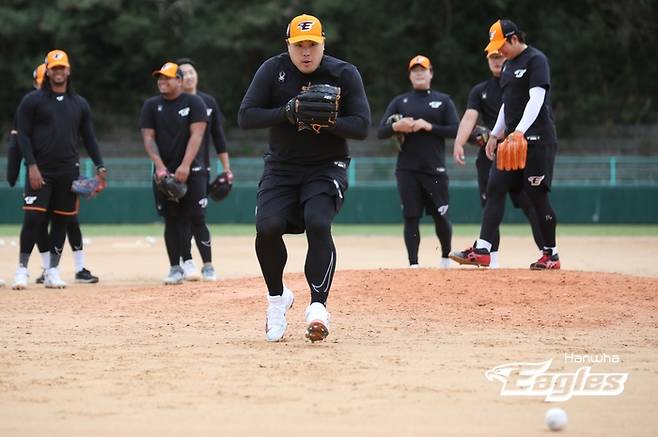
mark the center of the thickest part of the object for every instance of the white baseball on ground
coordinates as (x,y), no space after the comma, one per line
(556,419)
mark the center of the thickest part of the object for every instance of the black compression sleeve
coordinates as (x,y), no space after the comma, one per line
(88,136)
(24,126)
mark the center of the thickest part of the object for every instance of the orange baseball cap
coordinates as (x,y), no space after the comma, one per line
(498,32)
(420,60)
(169,69)
(493,53)
(304,28)
(38,74)
(57,58)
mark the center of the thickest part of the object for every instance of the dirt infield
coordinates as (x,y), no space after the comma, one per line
(407,352)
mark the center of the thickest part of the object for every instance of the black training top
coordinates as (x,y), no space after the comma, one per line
(423,151)
(171,120)
(276,82)
(486,98)
(528,70)
(214,128)
(50,126)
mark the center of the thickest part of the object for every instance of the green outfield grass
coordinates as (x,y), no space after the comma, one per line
(370,229)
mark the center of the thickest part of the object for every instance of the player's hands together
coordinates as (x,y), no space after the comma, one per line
(458,154)
(491,146)
(404,125)
(182,173)
(422,124)
(34,175)
(161,172)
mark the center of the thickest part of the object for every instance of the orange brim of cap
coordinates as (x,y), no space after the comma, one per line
(163,73)
(494,45)
(314,38)
(58,64)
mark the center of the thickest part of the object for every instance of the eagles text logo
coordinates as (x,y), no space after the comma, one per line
(535,379)
(305,26)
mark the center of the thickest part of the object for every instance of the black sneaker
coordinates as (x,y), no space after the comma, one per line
(84,276)
(41,279)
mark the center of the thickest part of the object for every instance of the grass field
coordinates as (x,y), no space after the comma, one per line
(363,229)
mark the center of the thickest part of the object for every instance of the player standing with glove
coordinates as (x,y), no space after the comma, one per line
(199,229)
(427,117)
(49,121)
(173,125)
(525,159)
(305,174)
(485,99)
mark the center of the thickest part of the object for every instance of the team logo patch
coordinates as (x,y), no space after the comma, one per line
(159,108)
(29,200)
(184,112)
(282,76)
(208,111)
(405,100)
(535,181)
(519,73)
(443,209)
(435,104)
(492,35)
(305,26)
(484,96)
(60,98)
(340,164)
(203,202)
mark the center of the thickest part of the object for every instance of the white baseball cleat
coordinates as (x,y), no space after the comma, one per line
(317,322)
(190,273)
(208,273)
(2,282)
(175,276)
(445,263)
(275,318)
(20,279)
(414,266)
(52,279)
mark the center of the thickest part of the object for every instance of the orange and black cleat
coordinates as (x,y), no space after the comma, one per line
(473,257)
(548,261)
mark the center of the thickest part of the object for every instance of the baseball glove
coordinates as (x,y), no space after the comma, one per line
(512,152)
(170,187)
(399,136)
(316,107)
(219,188)
(479,136)
(86,187)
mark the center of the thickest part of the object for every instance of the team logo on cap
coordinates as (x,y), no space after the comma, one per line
(305,26)
(492,34)
(57,56)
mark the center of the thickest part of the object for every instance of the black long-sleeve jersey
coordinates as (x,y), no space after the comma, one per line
(486,98)
(171,120)
(423,151)
(50,126)
(214,128)
(528,70)
(276,82)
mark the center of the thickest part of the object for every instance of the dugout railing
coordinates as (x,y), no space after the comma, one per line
(605,189)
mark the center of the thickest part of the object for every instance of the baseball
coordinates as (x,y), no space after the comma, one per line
(556,419)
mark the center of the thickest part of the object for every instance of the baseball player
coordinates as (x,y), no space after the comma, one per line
(525,120)
(49,121)
(199,229)
(426,118)
(485,98)
(82,275)
(172,125)
(305,174)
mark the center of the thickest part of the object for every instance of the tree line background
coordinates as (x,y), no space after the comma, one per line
(602,54)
